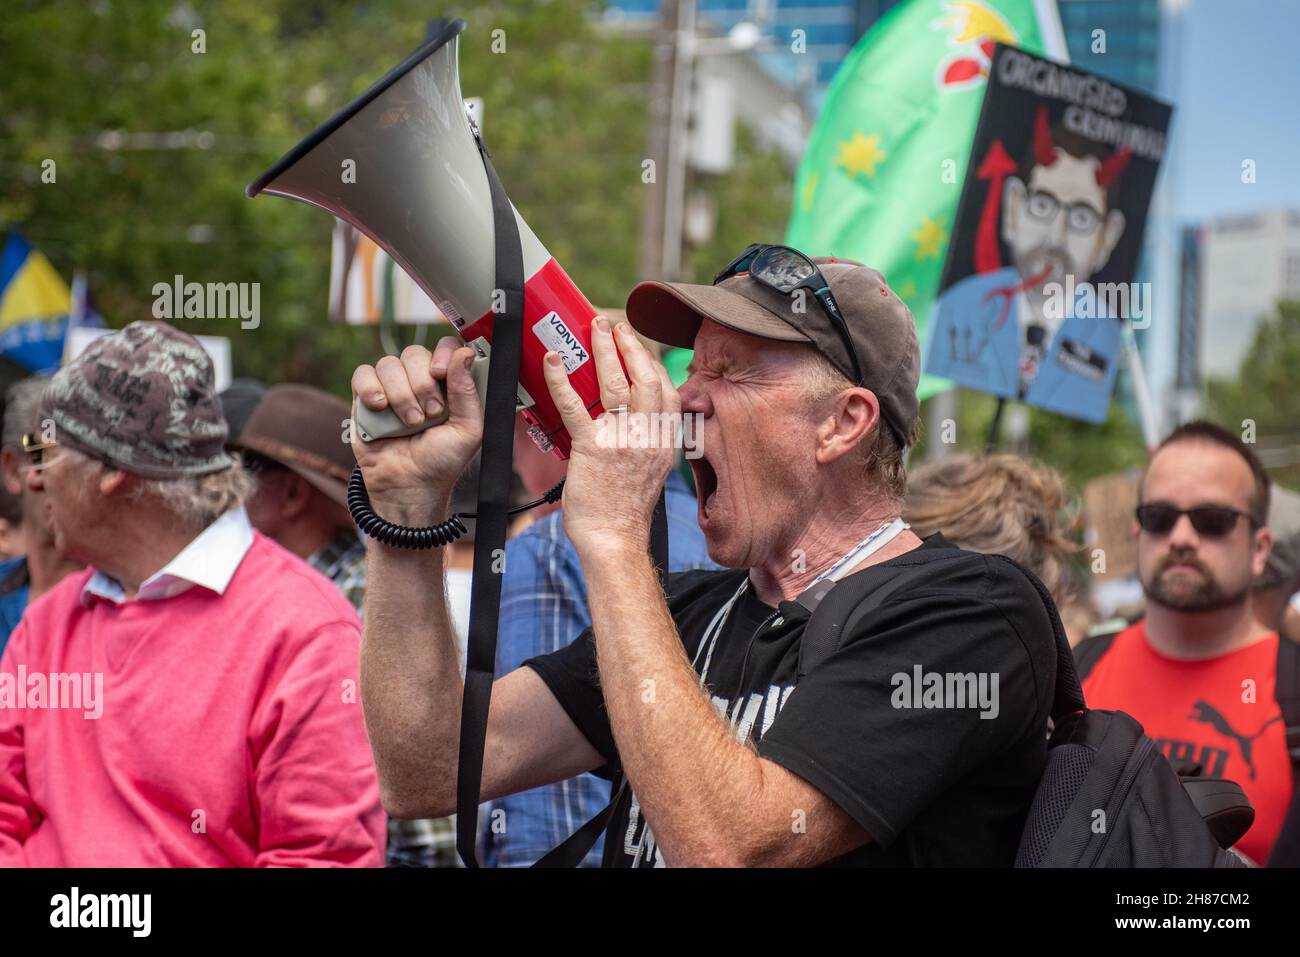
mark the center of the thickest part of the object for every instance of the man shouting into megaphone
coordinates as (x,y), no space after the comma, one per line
(914,737)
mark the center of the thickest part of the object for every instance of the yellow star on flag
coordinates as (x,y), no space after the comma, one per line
(929,238)
(860,154)
(907,290)
(809,190)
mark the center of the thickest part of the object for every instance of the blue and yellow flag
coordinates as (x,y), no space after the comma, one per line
(34,307)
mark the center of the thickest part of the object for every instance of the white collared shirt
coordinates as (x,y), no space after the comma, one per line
(209,561)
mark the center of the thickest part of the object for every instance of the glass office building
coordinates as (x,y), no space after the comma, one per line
(1118,39)
(830,29)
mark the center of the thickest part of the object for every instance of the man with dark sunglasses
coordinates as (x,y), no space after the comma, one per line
(1200,672)
(804,380)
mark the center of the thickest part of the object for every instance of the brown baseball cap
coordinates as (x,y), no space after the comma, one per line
(880,325)
(302,428)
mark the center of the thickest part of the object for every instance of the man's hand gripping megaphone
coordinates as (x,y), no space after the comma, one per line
(410,474)
(611,487)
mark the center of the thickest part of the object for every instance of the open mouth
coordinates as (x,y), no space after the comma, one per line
(706,484)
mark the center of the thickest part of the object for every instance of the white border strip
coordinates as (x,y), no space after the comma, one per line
(1049,22)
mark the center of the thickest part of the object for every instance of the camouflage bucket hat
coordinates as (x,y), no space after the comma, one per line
(141,400)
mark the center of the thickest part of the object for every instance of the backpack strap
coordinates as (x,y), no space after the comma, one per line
(1090,651)
(1286,849)
(1287,691)
(832,609)
(848,600)
(1068,696)
(835,603)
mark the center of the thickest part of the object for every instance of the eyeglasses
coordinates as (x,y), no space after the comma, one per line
(1212,521)
(35,449)
(785,270)
(1079,217)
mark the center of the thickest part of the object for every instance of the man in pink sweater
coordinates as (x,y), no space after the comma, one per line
(190,699)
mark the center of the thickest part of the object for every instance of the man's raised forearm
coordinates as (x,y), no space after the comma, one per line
(411,685)
(692,778)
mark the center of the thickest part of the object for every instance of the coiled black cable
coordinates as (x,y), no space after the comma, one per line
(432,536)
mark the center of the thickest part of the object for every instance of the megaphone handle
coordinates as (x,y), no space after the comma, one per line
(372,425)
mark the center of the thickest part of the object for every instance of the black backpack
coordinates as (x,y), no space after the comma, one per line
(1108,797)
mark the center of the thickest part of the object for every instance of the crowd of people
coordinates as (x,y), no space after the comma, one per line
(205,664)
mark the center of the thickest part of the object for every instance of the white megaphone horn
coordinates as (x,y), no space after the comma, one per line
(402,164)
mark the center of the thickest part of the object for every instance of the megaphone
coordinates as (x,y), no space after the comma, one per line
(401,163)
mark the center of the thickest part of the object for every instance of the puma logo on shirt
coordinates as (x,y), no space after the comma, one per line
(1206,713)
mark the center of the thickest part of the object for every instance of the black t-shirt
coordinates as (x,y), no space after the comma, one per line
(927,726)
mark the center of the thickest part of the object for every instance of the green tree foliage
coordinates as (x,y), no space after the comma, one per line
(1080,451)
(565,116)
(1264,394)
(753,203)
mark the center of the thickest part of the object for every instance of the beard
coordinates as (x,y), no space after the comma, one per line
(1205,595)
(1045,263)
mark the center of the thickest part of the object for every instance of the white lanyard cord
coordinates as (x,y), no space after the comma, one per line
(877,540)
(868,546)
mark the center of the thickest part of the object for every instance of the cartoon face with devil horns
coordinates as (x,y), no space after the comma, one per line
(1061,220)
(998,329)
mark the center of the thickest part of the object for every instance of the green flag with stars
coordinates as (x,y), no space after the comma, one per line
(884,167)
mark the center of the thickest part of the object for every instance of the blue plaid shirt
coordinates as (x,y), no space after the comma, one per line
(544,608)
(13,596)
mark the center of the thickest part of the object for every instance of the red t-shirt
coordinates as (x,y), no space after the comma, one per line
(1221,713)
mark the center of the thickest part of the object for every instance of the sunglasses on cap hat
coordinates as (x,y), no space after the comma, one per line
(786,270)
(1212,521)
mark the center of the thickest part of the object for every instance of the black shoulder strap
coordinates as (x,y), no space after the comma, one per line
(1287,690)
(573,849)
(834,603)
(827,625)
(1286,849)
(493,504)
(1090,651)
(1068,696)
(490,528)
